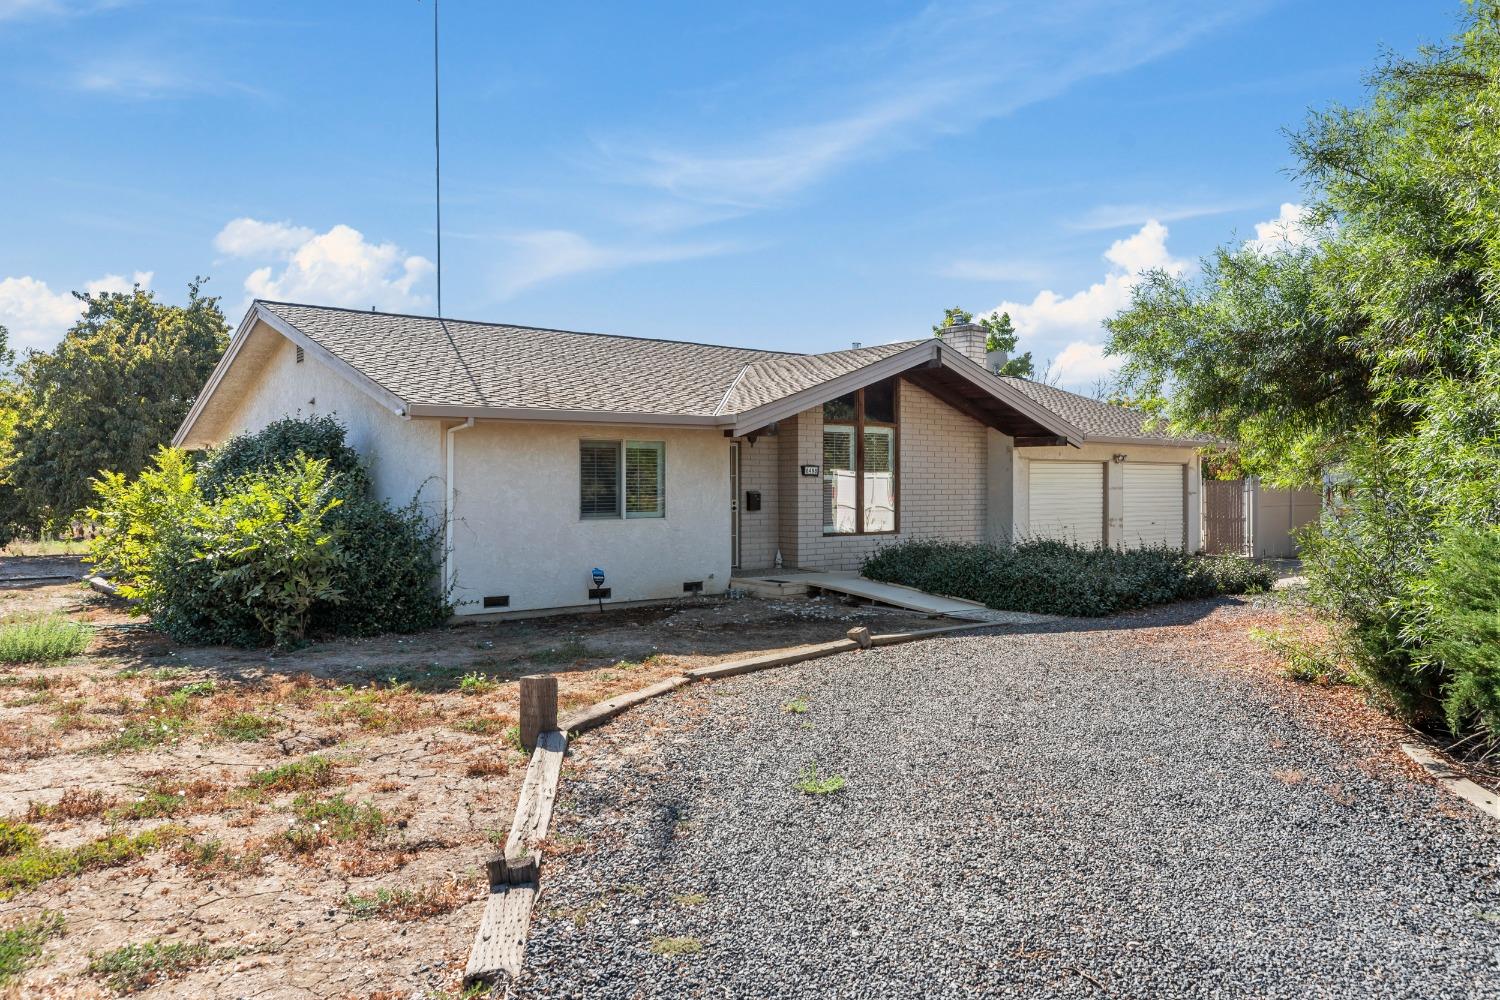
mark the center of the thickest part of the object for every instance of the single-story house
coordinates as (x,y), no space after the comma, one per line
(673,466)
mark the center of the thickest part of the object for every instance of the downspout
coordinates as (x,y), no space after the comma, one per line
(451,493)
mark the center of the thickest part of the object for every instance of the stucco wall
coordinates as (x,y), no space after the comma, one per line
(517,529)
(403,455)
(1114,496)
(943,460)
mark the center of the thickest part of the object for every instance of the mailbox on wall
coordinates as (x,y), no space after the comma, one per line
(752,499)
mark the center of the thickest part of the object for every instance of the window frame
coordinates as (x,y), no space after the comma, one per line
(860,423)
(622,449)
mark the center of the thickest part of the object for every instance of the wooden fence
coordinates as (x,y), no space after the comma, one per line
(1225,525)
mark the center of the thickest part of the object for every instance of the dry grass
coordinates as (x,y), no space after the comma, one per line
(417,902)
(76,803)
(161,763)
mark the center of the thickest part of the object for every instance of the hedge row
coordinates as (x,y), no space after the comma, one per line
(1060,578)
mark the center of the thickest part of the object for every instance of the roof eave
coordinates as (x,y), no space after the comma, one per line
(259,313)
(532,413)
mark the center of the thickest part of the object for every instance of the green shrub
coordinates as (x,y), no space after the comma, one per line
(1460,630)
(273,536)
(22,942)
(43,639)
(1061,578)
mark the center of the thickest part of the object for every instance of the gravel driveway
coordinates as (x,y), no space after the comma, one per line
(1104,811)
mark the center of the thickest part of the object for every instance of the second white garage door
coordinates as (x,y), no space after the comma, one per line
(1153,505)
(1067,501)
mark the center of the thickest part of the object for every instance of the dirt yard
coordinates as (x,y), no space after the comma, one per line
(242,823)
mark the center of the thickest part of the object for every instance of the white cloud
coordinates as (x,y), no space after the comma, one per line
(152,77)
(15,10)
(339,267)
(544,255)
(1288,231)
(37,317)
(245,237)
(975,269)
(1119,216)
(884,90)
(1069,328)
(1081,363)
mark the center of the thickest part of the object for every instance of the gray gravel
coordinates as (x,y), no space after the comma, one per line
(1070,813)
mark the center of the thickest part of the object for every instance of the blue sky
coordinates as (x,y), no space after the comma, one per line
(784,175)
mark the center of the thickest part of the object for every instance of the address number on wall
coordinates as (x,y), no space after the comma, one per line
(811,470)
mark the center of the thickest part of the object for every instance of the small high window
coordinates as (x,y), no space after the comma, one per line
(622,479)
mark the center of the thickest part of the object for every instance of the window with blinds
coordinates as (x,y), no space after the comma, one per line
(879,468)
(838,480)
(622,479)
(599,479)
(645,479)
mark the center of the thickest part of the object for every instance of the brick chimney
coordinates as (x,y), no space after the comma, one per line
(968,339)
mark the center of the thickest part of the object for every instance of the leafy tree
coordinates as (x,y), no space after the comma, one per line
(1371,349)
(113,391)
(1002,336)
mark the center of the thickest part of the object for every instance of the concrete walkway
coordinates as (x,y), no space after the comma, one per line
(895,595)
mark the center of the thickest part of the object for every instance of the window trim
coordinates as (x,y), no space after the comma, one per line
(860,422)
(622,510)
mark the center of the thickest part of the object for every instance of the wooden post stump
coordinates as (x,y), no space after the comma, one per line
(861,635)
(538,707)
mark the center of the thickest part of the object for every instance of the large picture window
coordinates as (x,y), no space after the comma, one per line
(622,479)
(860,462)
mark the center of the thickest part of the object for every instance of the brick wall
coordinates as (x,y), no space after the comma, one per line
(942,482)
(758,529)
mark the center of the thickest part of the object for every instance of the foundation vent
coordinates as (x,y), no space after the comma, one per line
(497,601)
(598,593)
(693,587)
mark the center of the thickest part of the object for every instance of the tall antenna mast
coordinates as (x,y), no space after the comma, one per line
(437,161)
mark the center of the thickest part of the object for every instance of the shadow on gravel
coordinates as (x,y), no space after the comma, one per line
(1162,616)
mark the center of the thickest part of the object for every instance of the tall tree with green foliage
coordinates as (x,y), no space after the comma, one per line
(112,392)
(1002,336)
(1368,347)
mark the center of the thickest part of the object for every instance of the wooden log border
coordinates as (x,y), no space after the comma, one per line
(515,874)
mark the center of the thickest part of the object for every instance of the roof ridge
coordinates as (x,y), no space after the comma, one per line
(522,326)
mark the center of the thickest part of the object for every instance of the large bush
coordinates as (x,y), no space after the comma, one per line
(273,536)
(1060,578)
(1366,348)
(392,556)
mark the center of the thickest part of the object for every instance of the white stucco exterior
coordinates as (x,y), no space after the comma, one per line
(404,456)
(517,531)
(509,491)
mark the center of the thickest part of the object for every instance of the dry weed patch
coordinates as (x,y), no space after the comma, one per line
(320,822)
(76,803)
(135,967)
(432,899)
(21,942)
(31,865)
(211,857)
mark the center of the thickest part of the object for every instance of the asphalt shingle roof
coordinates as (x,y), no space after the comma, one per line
(450,362)
(1094,418)
(424,360)
(778,377)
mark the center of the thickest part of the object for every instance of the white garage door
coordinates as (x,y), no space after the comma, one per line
(1067,501)
(1153,505)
